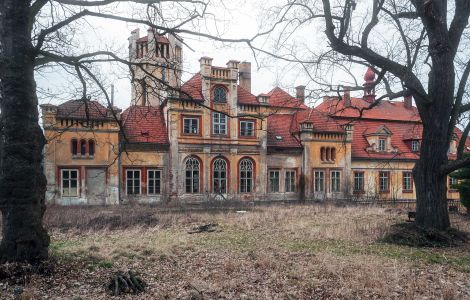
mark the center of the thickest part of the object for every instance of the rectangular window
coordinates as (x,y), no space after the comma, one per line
(191,125)
(407,182)
(335,181)
(381,144)
(290,181)
(219,124)
(247,128)
(70,183)
(154,182)
(319,177)
(384,181)
(452,182)
(274,181)
(358,181)
(133,182)
(415,146)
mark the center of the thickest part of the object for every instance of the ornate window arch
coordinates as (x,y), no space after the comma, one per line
(192,169)
(219,175)
(246,173)
(220,94)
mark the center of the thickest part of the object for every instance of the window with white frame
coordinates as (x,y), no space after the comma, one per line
(192,173)
(274,181)
(154,179)
(335,181)
(246,175)
(247,128)
(290,181)
(382,143)
(219,123)
(319,178)
(219,169)
(384,181)
(358,181)
(133,182)
(452,182)
(69,183)
(190,125)
(415,145)
(407,181)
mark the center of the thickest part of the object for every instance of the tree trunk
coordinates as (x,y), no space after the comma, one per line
(22,182)
(431,189)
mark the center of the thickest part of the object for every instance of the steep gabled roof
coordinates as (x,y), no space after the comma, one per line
(81,110)
(192,89)
(385,110)
(280,98)
(321,121)
(245,97)
(279,132)
(145,124)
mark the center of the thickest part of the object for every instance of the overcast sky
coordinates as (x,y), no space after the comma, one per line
(234,19)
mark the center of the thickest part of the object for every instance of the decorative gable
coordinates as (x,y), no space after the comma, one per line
(380,140)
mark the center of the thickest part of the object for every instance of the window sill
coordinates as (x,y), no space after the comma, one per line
(407,191)
(328,162)
(83,157)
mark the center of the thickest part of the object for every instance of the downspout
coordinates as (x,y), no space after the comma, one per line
(119,171)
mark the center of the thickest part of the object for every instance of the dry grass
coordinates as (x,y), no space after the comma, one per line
(275,252)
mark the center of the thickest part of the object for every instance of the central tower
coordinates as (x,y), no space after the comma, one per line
(157,65)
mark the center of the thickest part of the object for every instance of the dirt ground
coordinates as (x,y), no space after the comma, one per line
(273,252)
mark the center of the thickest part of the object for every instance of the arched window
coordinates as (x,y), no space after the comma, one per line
(219,176)
(74,147)
(322,153)
(91,147)
(328,154)
(192,167)
(333,154)
(83,147)
(246,175)
(220,95)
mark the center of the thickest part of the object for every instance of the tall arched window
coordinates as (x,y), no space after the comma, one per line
(74,147)
(91,147)
(83,147)
(246,175)
(219,176)
(192,173)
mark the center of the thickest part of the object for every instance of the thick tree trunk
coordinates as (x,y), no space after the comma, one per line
(431,189)
(22,182)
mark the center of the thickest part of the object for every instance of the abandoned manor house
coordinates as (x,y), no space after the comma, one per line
(210,138)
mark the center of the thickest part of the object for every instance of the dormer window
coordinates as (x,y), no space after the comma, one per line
(381,145)
(220,95)
(415,145)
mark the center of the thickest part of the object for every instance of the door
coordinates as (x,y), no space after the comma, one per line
(96,186)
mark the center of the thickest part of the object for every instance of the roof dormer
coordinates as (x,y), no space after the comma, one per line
(380,140)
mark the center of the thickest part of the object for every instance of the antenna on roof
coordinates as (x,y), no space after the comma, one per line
(112,95)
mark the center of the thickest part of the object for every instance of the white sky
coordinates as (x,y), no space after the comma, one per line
(235,19)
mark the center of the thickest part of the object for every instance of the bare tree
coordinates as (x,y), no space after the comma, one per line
(36,36)
(417,48)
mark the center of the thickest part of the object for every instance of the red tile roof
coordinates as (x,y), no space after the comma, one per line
(145,124)
(280,98)
(321,121)
(245,97)
(279,132)
(385,110)
(81,110)
(192,89)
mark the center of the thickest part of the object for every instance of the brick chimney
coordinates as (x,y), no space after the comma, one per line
(347,97)
(300,93)
(244,75)
(408,101)
(206,65)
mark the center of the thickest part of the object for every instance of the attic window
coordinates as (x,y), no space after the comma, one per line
(144,133)
(278,137)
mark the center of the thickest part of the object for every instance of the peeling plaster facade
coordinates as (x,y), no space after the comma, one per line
(267,147)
